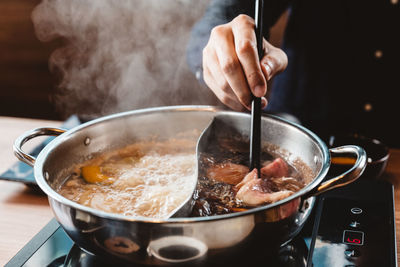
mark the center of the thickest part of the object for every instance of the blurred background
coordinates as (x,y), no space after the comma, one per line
(26,85)
(93,58)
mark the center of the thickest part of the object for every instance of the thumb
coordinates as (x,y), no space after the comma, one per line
(274,61)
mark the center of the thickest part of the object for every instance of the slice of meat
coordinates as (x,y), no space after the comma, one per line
(249,177)
(277,168)
(255,192)
(229,173)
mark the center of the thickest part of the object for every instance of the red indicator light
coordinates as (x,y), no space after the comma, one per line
(353,237)
(353,241)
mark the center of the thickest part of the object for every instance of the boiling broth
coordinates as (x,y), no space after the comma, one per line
(214,197)
(149,179)
(152,178)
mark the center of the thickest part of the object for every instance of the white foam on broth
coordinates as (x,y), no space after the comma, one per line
(150,179)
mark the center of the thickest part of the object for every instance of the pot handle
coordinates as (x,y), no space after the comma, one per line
(21,140)
(347,177)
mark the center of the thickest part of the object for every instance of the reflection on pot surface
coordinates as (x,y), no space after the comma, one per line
(220,236)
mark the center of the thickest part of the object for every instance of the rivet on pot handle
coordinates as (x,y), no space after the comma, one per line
(21,140)
(347,177)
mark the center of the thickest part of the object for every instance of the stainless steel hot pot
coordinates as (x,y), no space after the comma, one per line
(179,240)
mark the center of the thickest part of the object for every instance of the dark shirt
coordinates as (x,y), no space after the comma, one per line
(343,70)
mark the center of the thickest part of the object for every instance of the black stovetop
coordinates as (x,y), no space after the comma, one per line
(350,226)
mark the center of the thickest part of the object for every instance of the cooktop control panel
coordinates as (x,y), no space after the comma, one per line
(355,226)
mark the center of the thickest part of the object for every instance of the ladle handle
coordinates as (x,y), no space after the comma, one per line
(259,18)
(21,140)
(255,141)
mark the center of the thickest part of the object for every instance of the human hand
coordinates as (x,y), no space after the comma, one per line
(231,67)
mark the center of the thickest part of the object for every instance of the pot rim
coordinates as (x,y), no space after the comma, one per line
(51,193)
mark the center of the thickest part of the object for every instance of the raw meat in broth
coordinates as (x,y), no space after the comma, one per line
(273,185)
(228,172)
(277,168)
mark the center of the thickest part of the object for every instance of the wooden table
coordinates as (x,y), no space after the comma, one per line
(24,212)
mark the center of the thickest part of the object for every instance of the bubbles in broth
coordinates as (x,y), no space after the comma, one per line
(218,196)
(149,178)
(153,178)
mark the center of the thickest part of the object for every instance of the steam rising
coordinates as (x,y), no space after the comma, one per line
(120,54)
